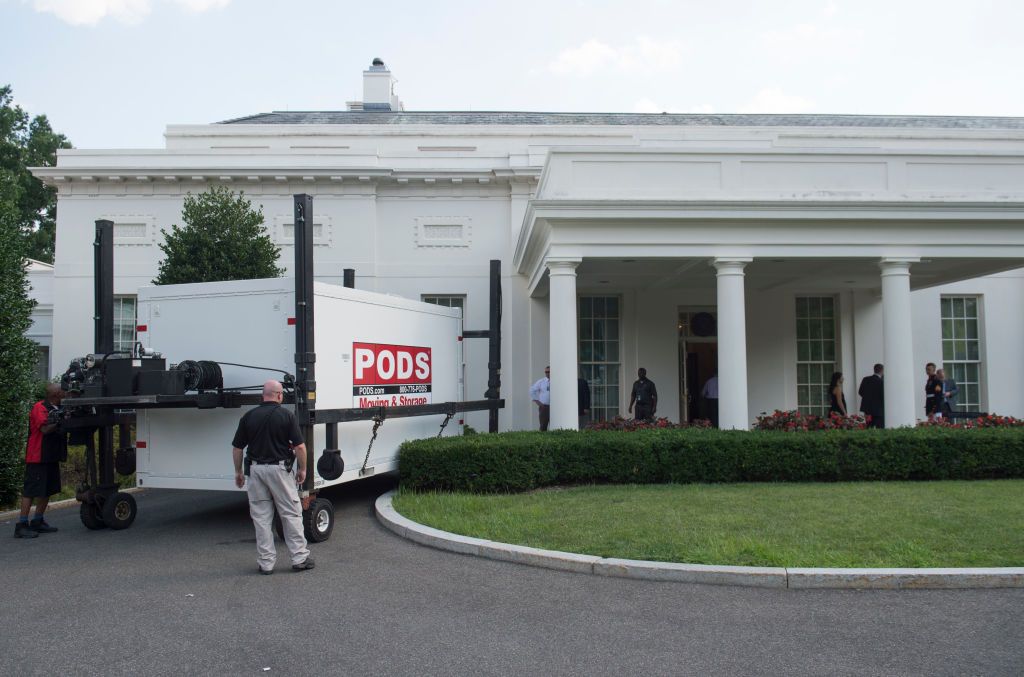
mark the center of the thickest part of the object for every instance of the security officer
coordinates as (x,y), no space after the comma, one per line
(274,440)
(47,447)
(644,395)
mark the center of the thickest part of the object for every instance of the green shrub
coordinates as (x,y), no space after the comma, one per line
(17,353)
(520,461)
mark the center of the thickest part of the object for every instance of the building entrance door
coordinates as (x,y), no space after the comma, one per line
(699,359)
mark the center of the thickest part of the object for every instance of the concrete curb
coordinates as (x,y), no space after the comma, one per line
(66,503)
(761,577)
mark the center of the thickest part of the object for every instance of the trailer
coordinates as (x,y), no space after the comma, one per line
(389,370)
(377,351)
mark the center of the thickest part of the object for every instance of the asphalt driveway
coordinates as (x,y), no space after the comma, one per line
(178,594)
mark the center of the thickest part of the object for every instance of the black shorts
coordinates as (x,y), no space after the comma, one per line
(41,480)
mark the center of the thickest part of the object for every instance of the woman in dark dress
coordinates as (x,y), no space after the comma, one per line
(836,396)
(933,397)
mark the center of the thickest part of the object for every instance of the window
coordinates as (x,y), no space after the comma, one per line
(599,353)
(450,301)
(43,363)
(961,348)
(815,352)
(447,300)
(124,323)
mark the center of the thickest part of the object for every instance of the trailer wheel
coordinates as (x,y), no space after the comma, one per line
(119,510)
(91,518)
(319,520)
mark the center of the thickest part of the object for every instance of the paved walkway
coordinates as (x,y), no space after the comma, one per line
(178,594)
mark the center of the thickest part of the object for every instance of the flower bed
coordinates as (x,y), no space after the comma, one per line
(794,421)
(986,421)
(632,424)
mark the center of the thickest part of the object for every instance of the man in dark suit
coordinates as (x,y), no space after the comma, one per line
(872,398)
(583,398)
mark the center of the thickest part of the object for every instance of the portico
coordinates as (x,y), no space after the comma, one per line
(669,229)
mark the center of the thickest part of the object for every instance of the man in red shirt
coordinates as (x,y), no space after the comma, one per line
(47,447)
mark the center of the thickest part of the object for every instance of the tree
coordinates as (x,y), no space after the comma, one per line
(30,142)
(223,239)
(17,353)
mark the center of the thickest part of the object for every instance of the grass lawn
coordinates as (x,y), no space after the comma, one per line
(857,524)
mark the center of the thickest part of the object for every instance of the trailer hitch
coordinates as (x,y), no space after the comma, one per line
(447,417)
(378,421)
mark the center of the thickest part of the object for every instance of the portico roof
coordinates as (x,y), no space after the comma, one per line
(961,215)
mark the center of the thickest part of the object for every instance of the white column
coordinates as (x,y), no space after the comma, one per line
(897,342)
(732,344)
(562,336)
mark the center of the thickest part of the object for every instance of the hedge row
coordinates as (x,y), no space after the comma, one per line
(520,461)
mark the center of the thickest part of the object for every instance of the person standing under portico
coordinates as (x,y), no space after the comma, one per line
(950,390)
(274,440)
(932,393)
(872,394)
(583,401)
(540,393)
(709,393)
(644,395)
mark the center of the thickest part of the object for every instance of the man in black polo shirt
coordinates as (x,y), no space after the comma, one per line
(644,395)
(274,440)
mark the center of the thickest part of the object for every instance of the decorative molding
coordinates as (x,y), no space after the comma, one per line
(283,231)
(442,232)
(270,175)
(133,230)
(730,265)
(562,265)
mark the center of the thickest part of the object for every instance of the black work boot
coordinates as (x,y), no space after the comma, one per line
(23,530)
(305,565)
(39,525)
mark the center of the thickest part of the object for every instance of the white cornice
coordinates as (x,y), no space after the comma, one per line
(253,175)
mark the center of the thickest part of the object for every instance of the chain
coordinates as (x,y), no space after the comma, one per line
(377,421)
(447,418)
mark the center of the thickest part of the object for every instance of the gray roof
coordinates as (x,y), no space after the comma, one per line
(626,119)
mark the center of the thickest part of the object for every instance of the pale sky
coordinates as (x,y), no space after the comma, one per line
(114,73)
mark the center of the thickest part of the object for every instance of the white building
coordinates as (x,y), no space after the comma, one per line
(40,280)
(815,242)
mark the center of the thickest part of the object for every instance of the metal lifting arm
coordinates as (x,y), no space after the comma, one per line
(305,355)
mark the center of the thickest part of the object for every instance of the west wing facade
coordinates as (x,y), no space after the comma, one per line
(775,249)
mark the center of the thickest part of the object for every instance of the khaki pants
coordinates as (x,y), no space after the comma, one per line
(271,485)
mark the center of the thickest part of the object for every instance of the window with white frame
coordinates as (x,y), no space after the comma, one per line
(815,352)
(124,323)
(449,301)
(43,363)
(599,343)
(446,300)
(961,348)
